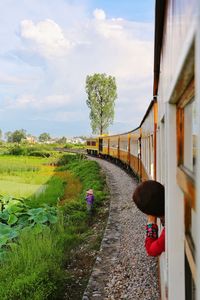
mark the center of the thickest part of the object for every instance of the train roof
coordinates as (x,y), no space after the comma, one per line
(158,37)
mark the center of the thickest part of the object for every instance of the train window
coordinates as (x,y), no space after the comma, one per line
(93,143)
(151,156)
(134,147)
(186,154)
(124,145)
(88,143)
(190,136)
(114,144)
(105,143)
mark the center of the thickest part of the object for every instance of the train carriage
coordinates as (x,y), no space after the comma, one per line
(92,146)
(176,44)
(104,140)
(135,151)
(124,148)
(148,139)
(165,146)
(114,146)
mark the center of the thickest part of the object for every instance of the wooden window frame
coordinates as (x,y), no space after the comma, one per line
(185,178)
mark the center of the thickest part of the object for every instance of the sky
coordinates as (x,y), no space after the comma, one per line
(48,48)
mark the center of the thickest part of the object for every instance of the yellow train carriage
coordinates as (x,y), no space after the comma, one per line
(104,141)
(92,146)
(135,150)
(114,146)
(148,143)
(124,148)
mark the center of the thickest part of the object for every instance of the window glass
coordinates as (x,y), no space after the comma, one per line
(190,136)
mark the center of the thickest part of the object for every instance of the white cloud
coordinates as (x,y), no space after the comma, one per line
(65,53)
(61,116)
(99,14)
(8,79)
(28,101)
(47,36)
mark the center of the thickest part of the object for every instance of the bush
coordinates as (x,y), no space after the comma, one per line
(17,150)
(39,153)
(66,158)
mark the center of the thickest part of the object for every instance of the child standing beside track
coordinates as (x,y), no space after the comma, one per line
(149,197)
(89,200)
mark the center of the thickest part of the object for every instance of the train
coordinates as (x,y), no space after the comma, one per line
(165,145)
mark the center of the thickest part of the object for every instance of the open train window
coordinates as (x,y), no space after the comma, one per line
(190,136)
(186,154)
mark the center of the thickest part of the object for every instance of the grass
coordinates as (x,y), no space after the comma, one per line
(30,177)
(20,189)
(35,268)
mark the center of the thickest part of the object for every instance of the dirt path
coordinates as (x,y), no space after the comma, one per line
(122,269)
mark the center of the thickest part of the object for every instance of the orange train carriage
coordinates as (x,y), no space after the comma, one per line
(135,149)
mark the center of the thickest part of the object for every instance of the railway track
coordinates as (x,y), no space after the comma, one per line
(122,269)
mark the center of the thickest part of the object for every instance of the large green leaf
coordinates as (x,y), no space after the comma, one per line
(39,217)
(6,199)
(35,211)
(4,215)
(14,208)
(3,240)
(12,219)
(6,229)
(6,233)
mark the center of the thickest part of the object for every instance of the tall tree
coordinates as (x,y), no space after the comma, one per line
(44,137)
(102,93)
(18,135)
(8,136)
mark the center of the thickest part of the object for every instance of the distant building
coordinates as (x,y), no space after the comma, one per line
(31,139)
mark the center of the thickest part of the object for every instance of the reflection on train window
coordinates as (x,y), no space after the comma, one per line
(124,145)
(190,136)
(114,144)
(105,143)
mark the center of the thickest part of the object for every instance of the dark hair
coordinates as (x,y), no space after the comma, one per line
(149,197)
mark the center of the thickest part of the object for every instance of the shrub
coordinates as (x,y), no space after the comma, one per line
(39,153)
(17,150)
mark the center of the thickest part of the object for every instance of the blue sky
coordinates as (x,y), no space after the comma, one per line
(48,48)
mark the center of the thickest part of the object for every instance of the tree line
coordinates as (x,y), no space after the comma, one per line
(19,135)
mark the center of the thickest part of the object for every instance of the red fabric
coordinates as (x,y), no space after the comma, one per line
(155,247)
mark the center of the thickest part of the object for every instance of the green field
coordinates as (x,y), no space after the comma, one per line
(30,177)
(39,231)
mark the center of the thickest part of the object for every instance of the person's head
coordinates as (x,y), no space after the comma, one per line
(90,192)
(149,197)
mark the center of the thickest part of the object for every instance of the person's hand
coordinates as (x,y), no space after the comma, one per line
(151,219)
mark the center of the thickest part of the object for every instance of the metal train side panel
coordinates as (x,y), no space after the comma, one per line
(147,146)
(92,145)
(175,87)
(106,143)
(114,146)
(124,148)
(135,152)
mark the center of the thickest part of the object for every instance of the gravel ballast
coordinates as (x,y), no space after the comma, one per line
(122,269)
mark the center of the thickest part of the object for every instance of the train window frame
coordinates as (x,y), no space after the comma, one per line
(186,177)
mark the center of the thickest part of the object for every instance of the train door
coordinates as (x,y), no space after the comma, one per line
(186,173)
(100,145)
